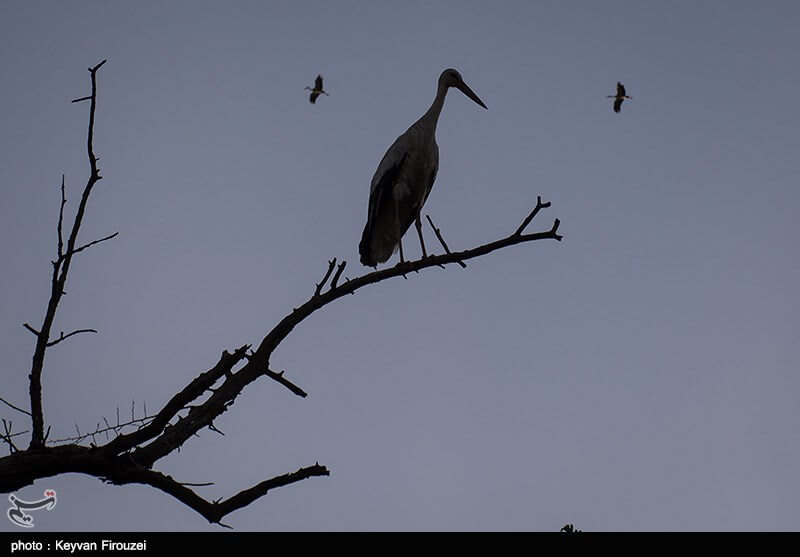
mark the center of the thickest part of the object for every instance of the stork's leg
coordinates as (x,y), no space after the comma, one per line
(398,230)
(418,224)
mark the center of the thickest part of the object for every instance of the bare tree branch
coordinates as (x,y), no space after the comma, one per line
(18,409)
(90,244)
(539,206)
(224,395)
(338,273)
(129,456)
(192,391)
(278,376)
(212,511)
(59,228)
(215,429)
(7,435)
(65,337)
(116,428)
(321,284)
(287,324)
(60,272)
(441,240)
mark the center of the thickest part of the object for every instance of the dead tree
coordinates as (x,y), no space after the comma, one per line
(134,446)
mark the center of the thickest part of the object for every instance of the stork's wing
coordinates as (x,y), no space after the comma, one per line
(380,194)
(318,83)
(382,189)
(313,97)
(618,104)
(620,89)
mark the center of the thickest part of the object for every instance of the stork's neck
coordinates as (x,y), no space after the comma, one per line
(431,117)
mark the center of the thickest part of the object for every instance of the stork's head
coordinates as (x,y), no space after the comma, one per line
(451,78)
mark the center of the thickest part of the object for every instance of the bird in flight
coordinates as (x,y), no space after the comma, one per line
(317,90)
(619,97)
(404,179)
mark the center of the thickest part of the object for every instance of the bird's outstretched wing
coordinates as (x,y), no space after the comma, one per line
(618,104)
(318,83)
(620,89)
(313,96)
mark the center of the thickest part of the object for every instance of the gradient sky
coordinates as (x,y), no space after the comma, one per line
(642,374)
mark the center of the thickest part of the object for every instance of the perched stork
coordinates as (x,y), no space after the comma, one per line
(404,179)
(317,90)
(619,97)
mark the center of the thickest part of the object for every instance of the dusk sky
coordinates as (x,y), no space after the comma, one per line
(641,374)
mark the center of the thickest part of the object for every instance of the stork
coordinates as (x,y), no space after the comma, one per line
(619,97)
(404,179)
(317,90)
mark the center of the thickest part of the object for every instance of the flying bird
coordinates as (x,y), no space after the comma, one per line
(404,179)
(317,90)
(619,97)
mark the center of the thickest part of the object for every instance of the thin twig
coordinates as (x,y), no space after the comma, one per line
(214,428)
(278,376)
(529,218)
(109,428)
(18,409)
(61,220)
(441,240)
(7,425)
(90,244)
(7,438)
(338,274)
(31,329)
(331,265)
(65,337)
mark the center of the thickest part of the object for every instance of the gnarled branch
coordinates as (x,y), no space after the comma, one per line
(60,272)
(213,511)
(129,457)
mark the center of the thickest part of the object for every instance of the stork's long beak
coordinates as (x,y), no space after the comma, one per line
(464,88)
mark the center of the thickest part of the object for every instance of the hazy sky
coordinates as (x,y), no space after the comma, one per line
(642,374)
